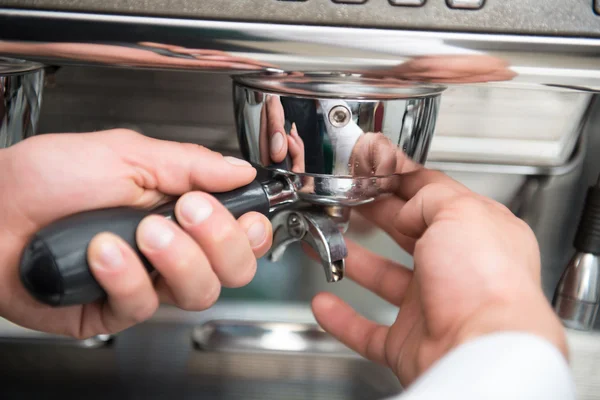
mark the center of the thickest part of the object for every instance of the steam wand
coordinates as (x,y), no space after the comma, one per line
(577,295)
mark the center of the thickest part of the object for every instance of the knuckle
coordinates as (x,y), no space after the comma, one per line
(438,189)
(500,207)
(143,311)
(225,232)
(245,274)
(370,350)
(186,303)
(79,334)
(126,135)
(201,301)
(525,229)
(131,287)
(183,265)
(193,147)
(467,204)
(209,297)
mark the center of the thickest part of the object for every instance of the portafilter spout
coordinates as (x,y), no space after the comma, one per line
(321,143)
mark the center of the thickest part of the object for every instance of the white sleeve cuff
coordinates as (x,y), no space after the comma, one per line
(501,366)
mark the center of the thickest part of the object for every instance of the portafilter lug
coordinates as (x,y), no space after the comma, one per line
(315,228)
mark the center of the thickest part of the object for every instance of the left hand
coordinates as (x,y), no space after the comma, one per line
(476,272)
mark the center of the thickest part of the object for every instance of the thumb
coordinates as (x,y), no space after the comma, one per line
(175,168)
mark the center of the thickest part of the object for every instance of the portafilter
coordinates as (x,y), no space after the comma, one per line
(321,143)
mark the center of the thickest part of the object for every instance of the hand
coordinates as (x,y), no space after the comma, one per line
(147,54)
(473,68)
(48,177)
(476,271)
(275,144)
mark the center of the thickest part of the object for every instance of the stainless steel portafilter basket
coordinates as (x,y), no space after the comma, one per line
(342,138)
(321,144)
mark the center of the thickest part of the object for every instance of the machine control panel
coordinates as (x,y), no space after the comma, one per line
(350,1)
(565,18)
(465,4)
(410,3)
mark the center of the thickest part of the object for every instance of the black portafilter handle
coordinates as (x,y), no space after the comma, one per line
(54,267)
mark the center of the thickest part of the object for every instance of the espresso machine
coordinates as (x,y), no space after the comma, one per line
(353,93)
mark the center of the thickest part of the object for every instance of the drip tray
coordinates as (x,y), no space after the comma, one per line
(232,351)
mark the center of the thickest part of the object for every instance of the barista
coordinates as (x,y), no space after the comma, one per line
(473,321)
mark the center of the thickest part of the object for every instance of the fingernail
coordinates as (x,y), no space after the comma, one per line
(195,209)
(109,256)
(237,162)
(156,234)
(256,234)
(277,142)
(294,129)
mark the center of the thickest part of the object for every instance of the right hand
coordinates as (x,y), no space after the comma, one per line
(476,271)
(48,177)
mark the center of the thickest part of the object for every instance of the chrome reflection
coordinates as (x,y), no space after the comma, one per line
(450,69)
(21,85)
(368,85)
(139,55)
(231,47)
(342,152)
(259,337)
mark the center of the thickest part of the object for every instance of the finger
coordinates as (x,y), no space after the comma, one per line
(381,213)
(174,168)
(259,231)
(411,182)
(263,138)
(276,129)
(355,331)
(219,235)
(185,271)
(374,154)
(420,211)
(450,66)
(296,149)
(385,211)
(154,44)
(131,296)
(386,278)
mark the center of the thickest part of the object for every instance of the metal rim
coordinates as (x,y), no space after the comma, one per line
(329,85)
(14,66)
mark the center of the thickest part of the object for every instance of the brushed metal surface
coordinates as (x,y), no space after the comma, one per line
(584,348)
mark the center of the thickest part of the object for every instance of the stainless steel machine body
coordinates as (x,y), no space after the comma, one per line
(21,85)
(511,87)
